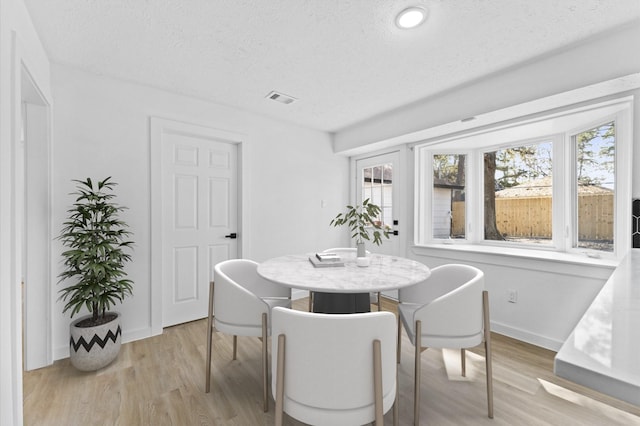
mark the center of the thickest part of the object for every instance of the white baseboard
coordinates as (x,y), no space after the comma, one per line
(526,336)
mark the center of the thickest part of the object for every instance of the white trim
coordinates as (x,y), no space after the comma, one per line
(39,295)
(521,258)
(526,336)
(155,225)
(11,313)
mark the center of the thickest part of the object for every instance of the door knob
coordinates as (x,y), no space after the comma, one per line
(232,235)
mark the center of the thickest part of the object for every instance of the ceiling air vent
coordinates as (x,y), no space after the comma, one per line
(281,97)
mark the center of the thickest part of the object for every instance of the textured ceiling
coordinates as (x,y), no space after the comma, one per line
(344,60)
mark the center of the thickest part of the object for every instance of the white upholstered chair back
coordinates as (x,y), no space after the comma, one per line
(329,365)
(240,303)
(241,296)
(451,311)
(442,280)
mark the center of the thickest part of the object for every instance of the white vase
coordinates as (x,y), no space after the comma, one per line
(363,262)
(361,252)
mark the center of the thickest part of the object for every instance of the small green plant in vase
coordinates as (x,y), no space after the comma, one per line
(363,224)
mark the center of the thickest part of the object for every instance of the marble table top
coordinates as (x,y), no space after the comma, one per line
(383,273)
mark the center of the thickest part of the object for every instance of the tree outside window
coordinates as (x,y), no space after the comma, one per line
(518,193)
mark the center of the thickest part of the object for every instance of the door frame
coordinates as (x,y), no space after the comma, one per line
(158,127)
(22,62)
(36,220)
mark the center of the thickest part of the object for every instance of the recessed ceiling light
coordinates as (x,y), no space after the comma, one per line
(411,17)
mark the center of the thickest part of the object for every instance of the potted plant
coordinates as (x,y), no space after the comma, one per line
(97,245)
(361,220)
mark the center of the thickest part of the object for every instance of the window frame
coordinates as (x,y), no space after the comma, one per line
(564,209)
(622,188)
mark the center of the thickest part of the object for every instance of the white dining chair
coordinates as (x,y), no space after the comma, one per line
(448,310)
(374,298)
(240,304)
(334,369)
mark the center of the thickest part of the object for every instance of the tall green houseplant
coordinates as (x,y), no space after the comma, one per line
(97,250)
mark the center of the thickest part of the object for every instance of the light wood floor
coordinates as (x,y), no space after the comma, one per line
(160,381)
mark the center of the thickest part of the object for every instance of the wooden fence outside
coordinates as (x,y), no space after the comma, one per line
(530,217)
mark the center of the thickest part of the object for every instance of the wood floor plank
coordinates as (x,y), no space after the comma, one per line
(160,381)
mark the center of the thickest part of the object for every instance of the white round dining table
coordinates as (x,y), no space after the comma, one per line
(383,273)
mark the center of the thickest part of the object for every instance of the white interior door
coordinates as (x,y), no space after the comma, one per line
(199,225)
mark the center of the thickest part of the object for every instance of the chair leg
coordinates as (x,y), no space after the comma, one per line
(377,383)
(379,303)
(396,403)
(463,362)
(235,347)
(265,367)
(487,349)
(399,345)
(209,340)
(280,380)
(417,370)
(310,301)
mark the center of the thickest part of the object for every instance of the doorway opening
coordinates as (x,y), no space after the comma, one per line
(34,212)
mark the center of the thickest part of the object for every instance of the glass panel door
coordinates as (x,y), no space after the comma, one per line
(376,180)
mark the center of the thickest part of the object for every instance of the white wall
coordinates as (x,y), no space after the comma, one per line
(552,296)
(101,128)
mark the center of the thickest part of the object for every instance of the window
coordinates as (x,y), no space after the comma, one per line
(518,188)
(377,186)
(595,180)
(448,196)
(559,182)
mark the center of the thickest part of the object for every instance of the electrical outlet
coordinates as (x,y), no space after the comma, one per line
(512,296)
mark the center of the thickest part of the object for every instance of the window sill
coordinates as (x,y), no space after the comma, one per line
(516,253)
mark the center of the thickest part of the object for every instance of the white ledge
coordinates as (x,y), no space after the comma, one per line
(526,253)
(602,351)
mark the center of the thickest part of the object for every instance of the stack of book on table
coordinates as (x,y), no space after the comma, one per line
(321,260)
